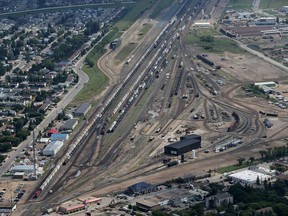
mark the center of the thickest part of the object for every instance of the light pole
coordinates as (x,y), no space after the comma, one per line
(34,151)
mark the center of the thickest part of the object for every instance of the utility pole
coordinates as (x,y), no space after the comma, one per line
(34,152)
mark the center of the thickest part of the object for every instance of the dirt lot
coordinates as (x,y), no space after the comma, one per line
(247,67)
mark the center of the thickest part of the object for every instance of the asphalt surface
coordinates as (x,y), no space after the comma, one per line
(83,78)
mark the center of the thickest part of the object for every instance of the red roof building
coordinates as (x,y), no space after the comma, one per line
(52,131)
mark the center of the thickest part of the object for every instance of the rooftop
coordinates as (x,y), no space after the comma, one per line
(182,143)
(54,145)
(83,108)
(249,175)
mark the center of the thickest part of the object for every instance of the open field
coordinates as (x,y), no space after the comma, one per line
(266,4)
(125,52)
(159,7)
(241,4)
(207,41)
(145,29)
(96,84)
(133,14)
(97,80)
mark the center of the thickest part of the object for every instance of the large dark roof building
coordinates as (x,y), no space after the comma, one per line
(186,144)
(138,188)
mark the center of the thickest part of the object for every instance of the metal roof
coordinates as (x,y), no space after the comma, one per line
(183,143)
(70,123)
(83,108)
(59,136)
(54,146)
(22,167)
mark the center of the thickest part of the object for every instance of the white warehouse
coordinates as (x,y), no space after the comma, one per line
(52,148)
(249,177)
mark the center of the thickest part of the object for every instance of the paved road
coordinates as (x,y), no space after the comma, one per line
(83,78)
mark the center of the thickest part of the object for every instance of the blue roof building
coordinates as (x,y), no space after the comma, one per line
(60,137)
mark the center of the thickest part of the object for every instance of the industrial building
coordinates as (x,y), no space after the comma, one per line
(70,124)
(185,145)
(60,137)
(23,168)
(52,148)
(7,207)
(78,205)
(218,200)
(138,188)
(82,110)
(249,177)
(268,84)
(191,136)
(71,207)
(146,205)
(202,24)
(284,9)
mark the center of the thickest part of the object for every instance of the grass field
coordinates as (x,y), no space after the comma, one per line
(208,41)
(96,84)
(241,4)
(97,80)
(159,7)
(125,52)
(267,4)
(134,13)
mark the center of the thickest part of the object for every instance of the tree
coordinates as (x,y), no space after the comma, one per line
(5,147)
(240,161)
(22,134)
(252,159)
(262,153)
(90,62)
(258,180)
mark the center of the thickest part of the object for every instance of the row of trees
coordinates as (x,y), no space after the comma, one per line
(274,153)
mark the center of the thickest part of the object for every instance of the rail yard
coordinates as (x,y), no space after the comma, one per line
(168,90)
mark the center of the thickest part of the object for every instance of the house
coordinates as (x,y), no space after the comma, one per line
(218,200)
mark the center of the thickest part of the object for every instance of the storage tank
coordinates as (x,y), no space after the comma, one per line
(193,154)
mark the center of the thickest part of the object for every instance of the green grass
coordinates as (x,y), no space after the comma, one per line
(97,80)
(134,13)
(125,52)
(216,45)
(241,4)
(96,84)
(159,7)
(232,168)
(55,9)
(237,166)
(266,4)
